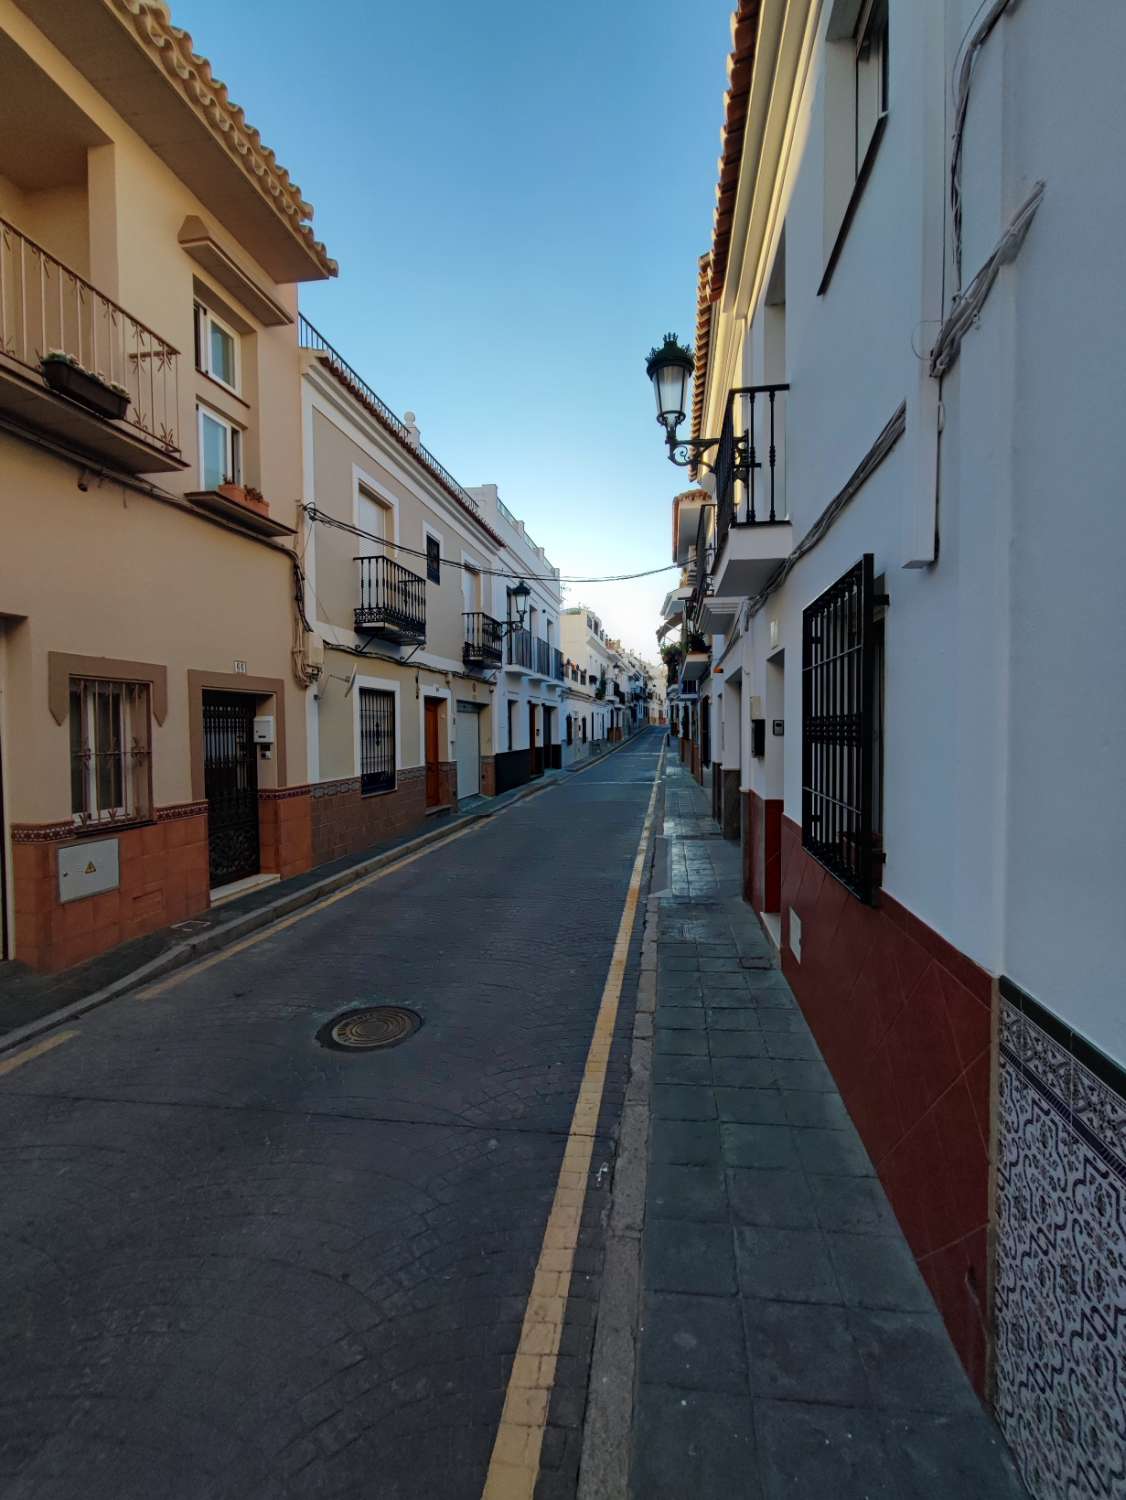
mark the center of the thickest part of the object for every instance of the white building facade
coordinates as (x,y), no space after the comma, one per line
(530,683)
(910,698)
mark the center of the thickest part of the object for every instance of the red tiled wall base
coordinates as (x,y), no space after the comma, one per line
(488,775)
(762,851)
(344,821)
(285,831)
(447,783)
(163,879)
(730,808)
(903,1019)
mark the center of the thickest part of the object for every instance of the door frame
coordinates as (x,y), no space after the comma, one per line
(251,751)
(234,682)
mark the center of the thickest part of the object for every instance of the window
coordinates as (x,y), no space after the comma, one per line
(871,76)
(433,559)
(377,740)
(220,451)
(109,750)
(216,348)
(840,793)
(570,730)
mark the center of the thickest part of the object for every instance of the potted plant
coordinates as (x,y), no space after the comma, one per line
(90,388)
(245,494)
(696,642)
(600,690)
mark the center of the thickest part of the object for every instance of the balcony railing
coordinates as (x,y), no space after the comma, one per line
(519,649)
(392,599)
(482,640)
(703,562)
(748,452)
(45,308)
(310,338)
(543,658)
(558,667)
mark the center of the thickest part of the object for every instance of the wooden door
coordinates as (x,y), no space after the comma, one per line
(535,753)
(433,752)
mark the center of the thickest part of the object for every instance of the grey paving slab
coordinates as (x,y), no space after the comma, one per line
(878,1271)
(679,1067)
(750,1106)
(804,1352)
(683,1102)
(690,1257)
(771,1198)
(691,1142)
(693,1343)
(826,1152)
(760,1145)
(679,1191)
(785,1265)
(746,1042)
(809,1449)
(668,1039)
(692,1444)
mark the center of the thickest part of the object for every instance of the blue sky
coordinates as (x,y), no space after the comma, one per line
(517,195)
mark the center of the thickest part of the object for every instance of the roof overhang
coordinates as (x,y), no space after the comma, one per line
(146,69)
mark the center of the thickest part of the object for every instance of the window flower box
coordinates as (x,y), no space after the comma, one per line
(245,494)
(67,377)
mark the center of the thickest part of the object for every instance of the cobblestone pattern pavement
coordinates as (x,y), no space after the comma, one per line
(788,1346)
(237,1266)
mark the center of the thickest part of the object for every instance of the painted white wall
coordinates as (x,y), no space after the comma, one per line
(1005,799)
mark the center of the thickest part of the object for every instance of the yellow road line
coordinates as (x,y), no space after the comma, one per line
(298,916)
(515,1463)
(17,1060)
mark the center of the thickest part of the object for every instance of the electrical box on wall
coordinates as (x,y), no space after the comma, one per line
(758,737)
(88,869)
(264,729)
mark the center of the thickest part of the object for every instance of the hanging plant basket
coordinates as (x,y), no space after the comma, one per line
(65,375)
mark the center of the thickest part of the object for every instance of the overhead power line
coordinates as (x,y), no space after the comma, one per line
(336,524)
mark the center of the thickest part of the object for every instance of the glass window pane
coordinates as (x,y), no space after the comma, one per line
(222,355)
(213,458)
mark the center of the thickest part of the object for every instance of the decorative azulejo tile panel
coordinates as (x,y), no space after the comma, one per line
(1061,1257)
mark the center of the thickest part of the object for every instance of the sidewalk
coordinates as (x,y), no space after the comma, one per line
(787,1345)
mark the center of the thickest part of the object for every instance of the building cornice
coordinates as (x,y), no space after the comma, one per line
(170,47)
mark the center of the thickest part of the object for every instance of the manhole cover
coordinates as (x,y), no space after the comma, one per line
(372,1027)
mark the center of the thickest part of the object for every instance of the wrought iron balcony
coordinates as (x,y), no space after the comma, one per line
(482,646)
(558,668)
(392,600)
(519,651)
(752,528)
(75,364)
(542,658)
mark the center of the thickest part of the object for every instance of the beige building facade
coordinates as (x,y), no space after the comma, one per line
(152,688)
(400,565)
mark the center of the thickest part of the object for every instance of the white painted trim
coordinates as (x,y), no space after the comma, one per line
(362,480)
(202,409)
(387,684)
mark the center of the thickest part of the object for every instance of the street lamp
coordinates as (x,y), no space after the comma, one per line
(670,369)
(521,593)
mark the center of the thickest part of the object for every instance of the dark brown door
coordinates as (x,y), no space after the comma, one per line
(433,756)
(230,779)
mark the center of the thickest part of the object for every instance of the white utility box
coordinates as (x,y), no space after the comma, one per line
(88,869)
(264,729)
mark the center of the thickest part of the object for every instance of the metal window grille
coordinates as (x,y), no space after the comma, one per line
(109,750)
(377,740)
(839,639)
(433,559)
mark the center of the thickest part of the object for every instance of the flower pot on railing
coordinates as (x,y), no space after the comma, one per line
(245,494)
(67,377)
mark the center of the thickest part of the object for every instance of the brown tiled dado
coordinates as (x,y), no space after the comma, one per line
(344,821)
(488,775)
(163,879)
(762,851)
(903,1019)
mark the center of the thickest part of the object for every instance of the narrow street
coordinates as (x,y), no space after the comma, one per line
(238,1264)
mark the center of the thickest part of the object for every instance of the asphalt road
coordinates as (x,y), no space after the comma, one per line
(236,1264)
